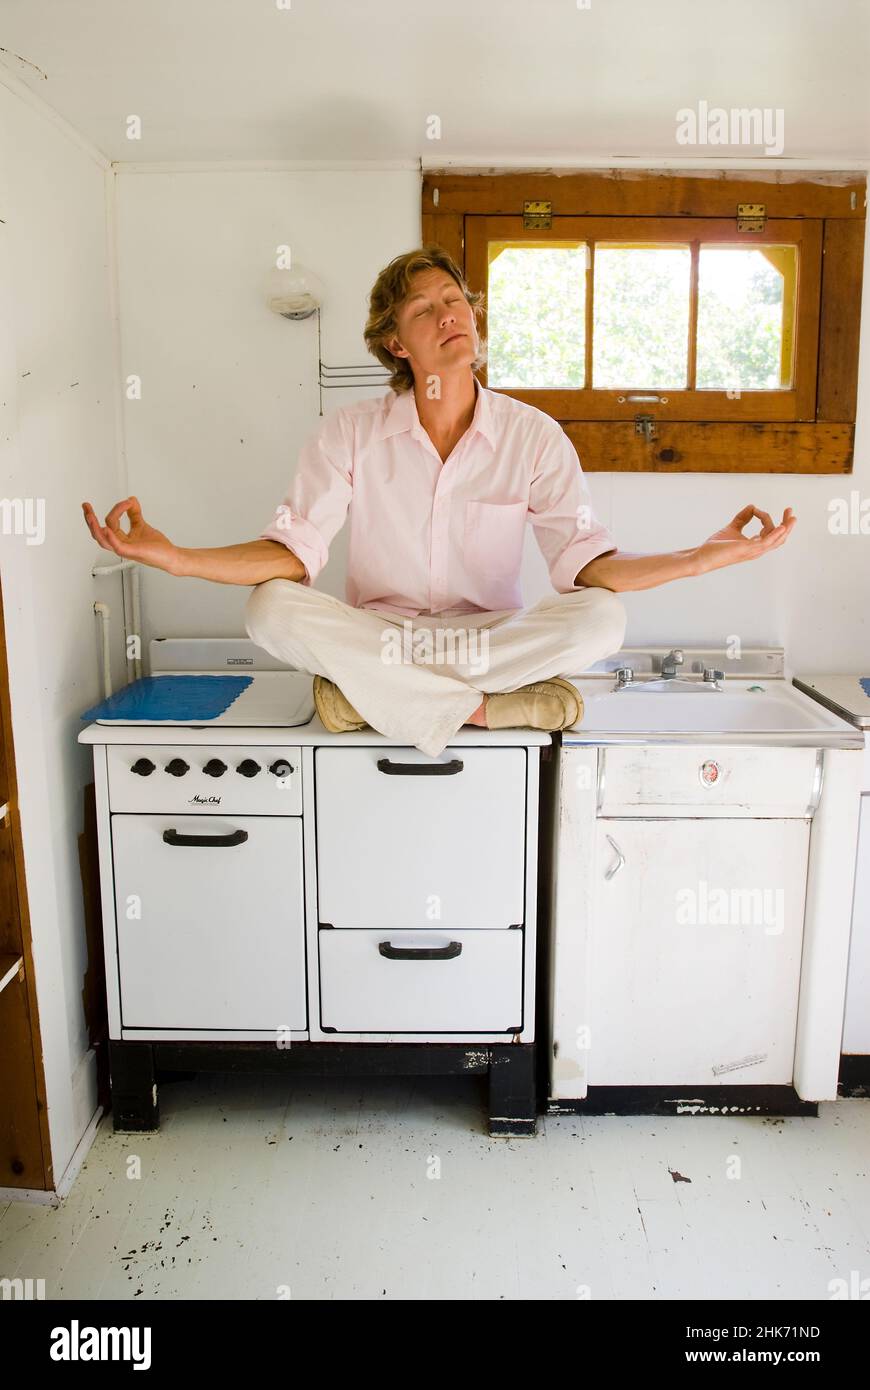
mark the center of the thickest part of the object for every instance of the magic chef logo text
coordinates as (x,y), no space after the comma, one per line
(204,801)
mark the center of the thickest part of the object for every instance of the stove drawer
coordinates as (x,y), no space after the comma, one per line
(385,982)
(407,841)
(719,780)
(269,783)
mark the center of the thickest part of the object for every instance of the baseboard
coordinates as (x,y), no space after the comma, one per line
(854,1079)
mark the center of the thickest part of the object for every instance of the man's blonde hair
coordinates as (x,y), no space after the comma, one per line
(391,289)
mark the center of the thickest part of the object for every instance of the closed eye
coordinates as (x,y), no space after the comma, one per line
(455,300)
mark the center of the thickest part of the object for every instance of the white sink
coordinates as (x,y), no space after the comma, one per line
(741,707)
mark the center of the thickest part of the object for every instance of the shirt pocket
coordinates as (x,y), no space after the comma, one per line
(494,534)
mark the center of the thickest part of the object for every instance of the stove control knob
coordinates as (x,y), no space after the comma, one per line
(143,767)
(177,767)
(214,768)
(281,769)
(248,768)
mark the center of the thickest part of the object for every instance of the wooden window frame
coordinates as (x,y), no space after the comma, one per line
(809,429)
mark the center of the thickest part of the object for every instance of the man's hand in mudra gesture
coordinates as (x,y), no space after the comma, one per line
(730,546)
(620,571)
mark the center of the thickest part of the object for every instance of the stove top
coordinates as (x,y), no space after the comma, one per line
(273,700)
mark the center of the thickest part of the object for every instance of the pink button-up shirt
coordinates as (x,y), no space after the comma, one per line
(439,538)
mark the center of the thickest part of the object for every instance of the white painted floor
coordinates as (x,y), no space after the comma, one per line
(259,1186)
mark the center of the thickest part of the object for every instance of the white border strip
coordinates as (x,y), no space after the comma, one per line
(483,164)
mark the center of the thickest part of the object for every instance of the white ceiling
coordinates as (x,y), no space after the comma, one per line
(510,79)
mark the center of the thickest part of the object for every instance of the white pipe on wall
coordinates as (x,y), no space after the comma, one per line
(104,613)
(135,618)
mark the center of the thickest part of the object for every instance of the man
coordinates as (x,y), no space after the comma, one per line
(443,476)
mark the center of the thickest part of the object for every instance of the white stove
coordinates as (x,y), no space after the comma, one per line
(266,881)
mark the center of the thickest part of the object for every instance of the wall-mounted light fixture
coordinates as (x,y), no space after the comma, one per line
(296,293)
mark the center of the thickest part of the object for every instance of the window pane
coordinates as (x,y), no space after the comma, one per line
(536,315)
(640,336)
(746,312)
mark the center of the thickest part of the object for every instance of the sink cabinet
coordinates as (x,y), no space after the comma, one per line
(698,925)
(694,950)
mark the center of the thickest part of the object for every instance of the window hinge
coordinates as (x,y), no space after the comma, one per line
(751,217)
(537,216)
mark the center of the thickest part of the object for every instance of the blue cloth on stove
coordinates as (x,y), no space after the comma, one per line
(155,698)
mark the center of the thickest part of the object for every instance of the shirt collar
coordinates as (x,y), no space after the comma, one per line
(401,414)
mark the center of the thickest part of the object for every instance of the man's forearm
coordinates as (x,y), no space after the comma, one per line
(251,562)
(621,571)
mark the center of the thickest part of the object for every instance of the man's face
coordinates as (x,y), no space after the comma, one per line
(436,328)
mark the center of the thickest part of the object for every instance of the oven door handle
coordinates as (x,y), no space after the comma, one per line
(235,837)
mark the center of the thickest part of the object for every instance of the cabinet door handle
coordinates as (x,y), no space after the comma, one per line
(235,837)
(620,859)
(420,769)
(448,952)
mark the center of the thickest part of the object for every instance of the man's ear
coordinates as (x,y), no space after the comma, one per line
(392,345)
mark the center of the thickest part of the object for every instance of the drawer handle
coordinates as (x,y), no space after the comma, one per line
(620,860)
(235,837)
(448,952)
(420,769)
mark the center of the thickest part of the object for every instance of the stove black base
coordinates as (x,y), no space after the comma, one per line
(138,1067)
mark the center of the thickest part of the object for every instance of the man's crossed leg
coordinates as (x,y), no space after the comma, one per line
(421,679)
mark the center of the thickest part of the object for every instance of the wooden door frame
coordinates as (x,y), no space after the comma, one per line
(27,1079)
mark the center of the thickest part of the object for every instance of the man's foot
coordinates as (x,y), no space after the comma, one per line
(478,716)
(336,713)
(550,704)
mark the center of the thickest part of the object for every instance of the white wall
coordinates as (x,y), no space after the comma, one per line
(218,368)
(229,389)
(59,388)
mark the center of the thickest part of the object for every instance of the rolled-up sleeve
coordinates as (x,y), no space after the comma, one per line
(315,505)
(560,509)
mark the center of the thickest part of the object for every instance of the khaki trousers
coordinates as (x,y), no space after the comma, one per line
(418,679)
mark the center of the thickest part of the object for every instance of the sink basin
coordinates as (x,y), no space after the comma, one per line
(759,708)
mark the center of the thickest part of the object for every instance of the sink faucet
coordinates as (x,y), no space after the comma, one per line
(670,663)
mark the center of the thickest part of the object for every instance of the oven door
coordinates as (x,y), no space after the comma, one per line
(210,922)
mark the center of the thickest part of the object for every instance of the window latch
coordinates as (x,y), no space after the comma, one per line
(645,425)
